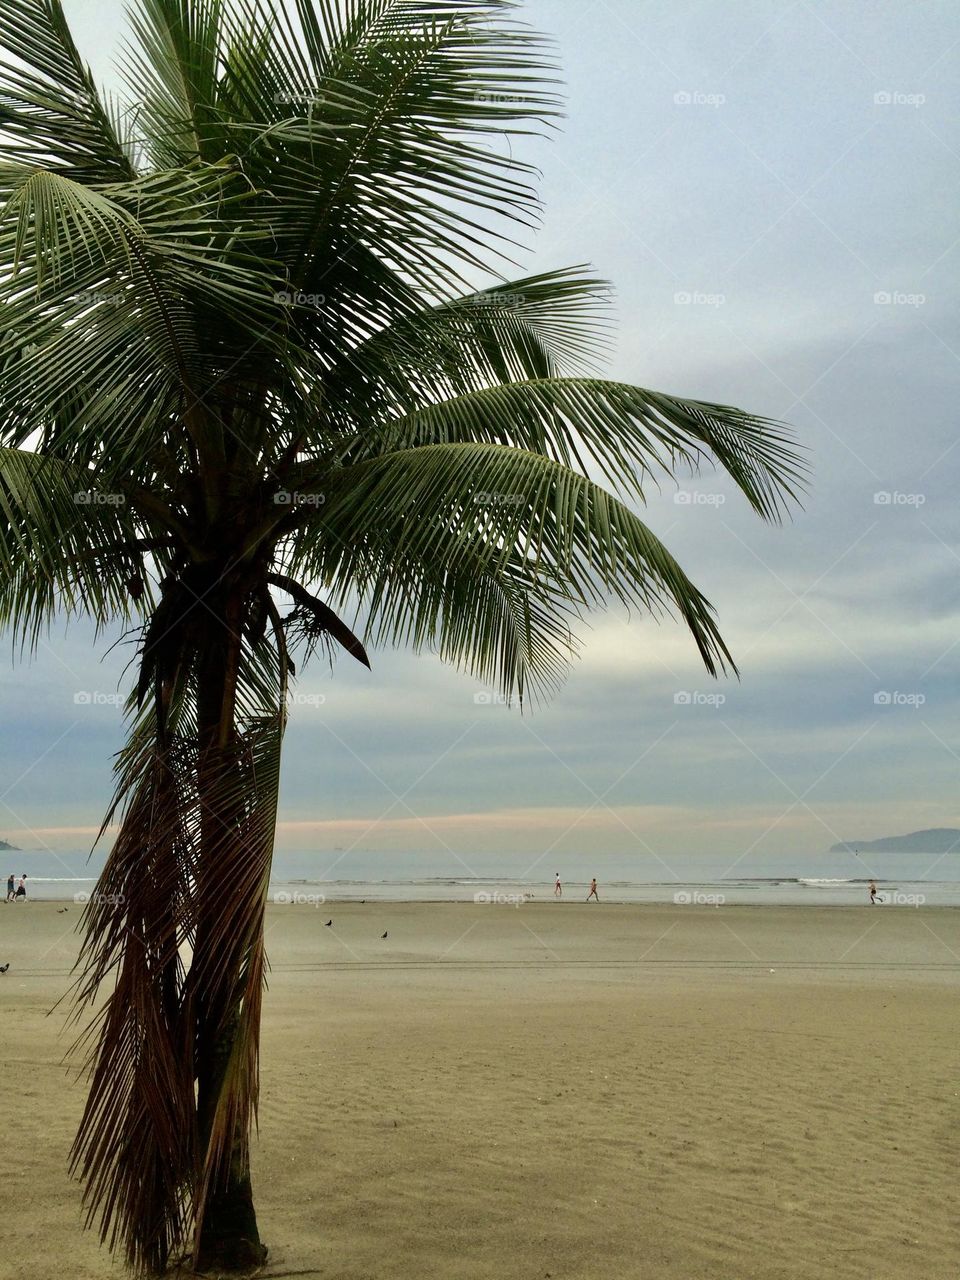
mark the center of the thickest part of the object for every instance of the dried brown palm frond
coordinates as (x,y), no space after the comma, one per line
(175,931)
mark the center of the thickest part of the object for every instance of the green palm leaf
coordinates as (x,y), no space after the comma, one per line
(466,510)
(51,114)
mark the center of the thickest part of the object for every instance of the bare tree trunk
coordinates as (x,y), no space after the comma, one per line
(229,1238)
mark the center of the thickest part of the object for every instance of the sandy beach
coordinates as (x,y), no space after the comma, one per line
(558,1091)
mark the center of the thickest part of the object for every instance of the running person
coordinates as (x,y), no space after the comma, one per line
(593,890)
(558,887)
(873,893)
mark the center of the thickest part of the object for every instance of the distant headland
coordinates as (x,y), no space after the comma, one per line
(9,848)
(935,840)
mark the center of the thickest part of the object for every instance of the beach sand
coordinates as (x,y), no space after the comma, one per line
(556,1090)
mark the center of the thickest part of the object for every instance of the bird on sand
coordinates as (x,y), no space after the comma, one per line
(4,967)
(328,924)
(384,934)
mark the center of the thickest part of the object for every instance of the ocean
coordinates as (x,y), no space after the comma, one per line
(826,879)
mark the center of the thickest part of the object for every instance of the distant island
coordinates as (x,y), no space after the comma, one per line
(936,840)
(8,847)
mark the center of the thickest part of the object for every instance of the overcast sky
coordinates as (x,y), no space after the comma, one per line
(772,188)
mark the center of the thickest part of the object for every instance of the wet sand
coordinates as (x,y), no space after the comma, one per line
(557,1090)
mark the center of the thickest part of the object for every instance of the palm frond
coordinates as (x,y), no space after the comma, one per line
(65,545)
(51,114)
(148,1166)
(621,432)
(474,505)
(542,326)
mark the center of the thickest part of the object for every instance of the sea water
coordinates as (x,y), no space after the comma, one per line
(826,879)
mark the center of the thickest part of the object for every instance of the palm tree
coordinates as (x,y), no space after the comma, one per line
(242,363)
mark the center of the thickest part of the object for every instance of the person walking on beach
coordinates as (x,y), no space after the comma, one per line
(558,887)
(873,893)
(10,887)
(593,890)
(21,889)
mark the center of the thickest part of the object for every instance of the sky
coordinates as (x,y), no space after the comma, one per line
(772,189)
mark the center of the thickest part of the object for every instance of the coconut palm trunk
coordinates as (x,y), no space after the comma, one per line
(227,1236)
(267,387)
